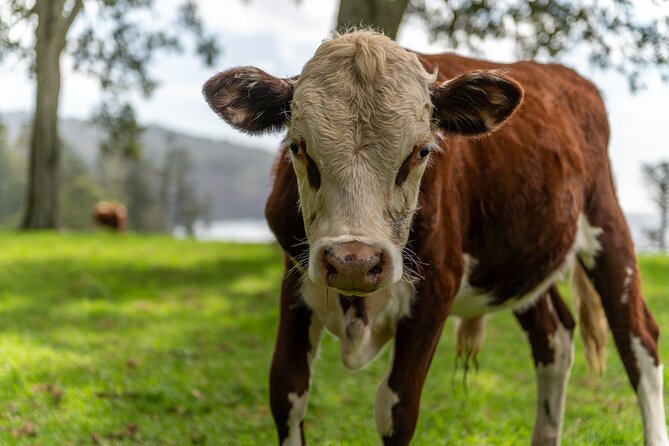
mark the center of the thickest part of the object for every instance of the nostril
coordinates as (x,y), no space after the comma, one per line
(375,271)
(326,259)
(331,270)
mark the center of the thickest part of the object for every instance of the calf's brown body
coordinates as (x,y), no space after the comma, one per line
(501,214)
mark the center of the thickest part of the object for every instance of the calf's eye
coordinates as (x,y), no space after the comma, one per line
(424,151)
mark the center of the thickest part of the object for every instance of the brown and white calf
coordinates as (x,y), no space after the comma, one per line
(390,163)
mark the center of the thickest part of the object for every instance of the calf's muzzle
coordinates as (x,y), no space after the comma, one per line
(353,267)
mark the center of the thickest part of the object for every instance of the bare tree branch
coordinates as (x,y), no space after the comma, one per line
(78,6)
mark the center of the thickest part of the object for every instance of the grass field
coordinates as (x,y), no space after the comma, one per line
(146,340)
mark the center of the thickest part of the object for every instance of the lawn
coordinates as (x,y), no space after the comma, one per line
(147,340)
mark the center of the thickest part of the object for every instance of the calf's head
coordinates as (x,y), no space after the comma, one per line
(362,121)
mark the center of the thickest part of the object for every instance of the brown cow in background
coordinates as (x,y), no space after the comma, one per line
(110,215)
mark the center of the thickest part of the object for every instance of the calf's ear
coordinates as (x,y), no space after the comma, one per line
(250,99)
(476,103)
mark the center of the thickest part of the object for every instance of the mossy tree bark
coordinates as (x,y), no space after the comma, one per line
(41,210)
(384,15)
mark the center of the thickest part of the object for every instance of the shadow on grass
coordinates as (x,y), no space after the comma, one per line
(158,351)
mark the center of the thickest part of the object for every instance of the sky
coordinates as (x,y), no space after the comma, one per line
(279,36)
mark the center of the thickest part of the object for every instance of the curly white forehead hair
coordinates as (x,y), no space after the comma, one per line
(361,89)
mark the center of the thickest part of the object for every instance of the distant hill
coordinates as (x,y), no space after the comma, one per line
(235,177)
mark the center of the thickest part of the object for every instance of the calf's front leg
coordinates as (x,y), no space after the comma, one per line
(297,341)
(417,336)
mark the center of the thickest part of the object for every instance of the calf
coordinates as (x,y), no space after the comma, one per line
(110,215)
(396,206)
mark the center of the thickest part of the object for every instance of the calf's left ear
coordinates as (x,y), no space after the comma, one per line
(249,99)
(476,103)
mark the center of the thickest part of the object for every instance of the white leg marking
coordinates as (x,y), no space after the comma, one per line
(629,272)
(298,404)
(650,396)
(298,408)
(552,390)
(383,408)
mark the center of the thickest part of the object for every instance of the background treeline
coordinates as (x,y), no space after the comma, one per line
(171,180)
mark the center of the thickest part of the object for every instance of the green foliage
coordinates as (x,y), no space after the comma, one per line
(141,196)
(113,42)
(206,46)
(630,37)
(122,340)
(79,193)
(12,42)
(656,177)
(119,43)
(179,196)
(122,131)
(12,180)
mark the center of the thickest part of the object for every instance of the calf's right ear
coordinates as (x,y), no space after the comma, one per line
(249,99)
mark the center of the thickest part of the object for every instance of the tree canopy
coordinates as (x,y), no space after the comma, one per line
(113,41)
(656,178)
(631,37)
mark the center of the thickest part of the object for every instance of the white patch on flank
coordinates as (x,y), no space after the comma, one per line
(470,301)
(298,407)
(383,408)
(649,392)
(384,309)
(552,389)
(587,240)
(629,272)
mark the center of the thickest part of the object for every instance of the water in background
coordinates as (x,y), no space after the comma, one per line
(240,231)
(257,231)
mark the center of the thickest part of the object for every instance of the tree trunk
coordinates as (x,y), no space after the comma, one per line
(384,15)
(664,212)
(41,210)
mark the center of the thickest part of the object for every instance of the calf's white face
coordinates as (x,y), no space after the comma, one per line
(360,138)
(361,122)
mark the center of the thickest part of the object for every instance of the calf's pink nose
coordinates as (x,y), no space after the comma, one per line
(353,266)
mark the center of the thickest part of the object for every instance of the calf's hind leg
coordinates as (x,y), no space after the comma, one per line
(549,327)
(615,276)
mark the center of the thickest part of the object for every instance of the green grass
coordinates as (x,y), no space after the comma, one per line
(153,341)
